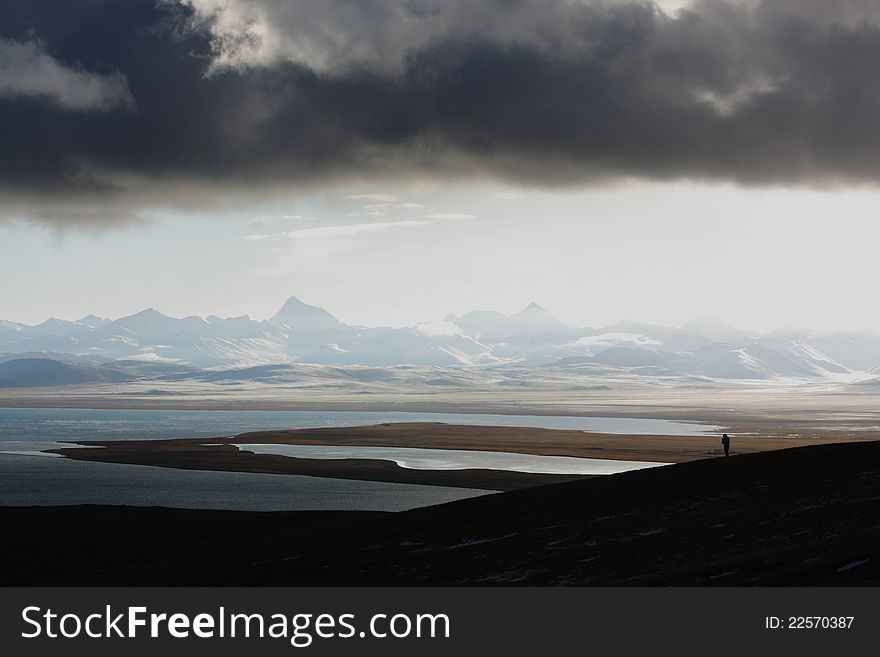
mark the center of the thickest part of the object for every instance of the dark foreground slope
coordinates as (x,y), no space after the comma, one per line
(800,516)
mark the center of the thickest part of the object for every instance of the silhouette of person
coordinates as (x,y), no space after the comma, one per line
(725,442)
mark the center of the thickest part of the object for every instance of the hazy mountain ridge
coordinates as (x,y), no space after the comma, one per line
(150,344)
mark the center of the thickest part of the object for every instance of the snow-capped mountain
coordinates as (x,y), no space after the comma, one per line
(532,320)
(299,316)
(309,335)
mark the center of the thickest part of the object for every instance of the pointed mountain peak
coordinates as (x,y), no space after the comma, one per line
(148,313)
(149,322)
(294,302)
(57,326)
(92,321)
(144,318)
(535,313)
(299,315)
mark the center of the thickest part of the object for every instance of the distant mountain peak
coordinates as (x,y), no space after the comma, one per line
(146,313)
(714,329)
(147,322)
(92,321)
(702,350)
(297,314)
(535,313)
(488,324)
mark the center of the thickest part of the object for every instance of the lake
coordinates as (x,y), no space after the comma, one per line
(455,459)
(30,429)
(39,481)
(26,478)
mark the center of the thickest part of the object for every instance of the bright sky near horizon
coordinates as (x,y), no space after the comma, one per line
(758,259)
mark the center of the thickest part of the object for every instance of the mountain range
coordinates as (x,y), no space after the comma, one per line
(151,344)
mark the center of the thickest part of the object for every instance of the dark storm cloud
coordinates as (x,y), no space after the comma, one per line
(212,101)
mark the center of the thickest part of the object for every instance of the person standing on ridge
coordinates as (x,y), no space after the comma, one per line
(725,442)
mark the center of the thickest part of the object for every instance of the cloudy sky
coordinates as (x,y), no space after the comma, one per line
(395,160)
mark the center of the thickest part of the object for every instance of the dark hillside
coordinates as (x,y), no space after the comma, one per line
(801,516)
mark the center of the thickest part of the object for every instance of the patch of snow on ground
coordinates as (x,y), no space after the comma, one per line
(851,565)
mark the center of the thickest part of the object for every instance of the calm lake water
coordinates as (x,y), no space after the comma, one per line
(29,429)
(40,481)
(29,479)
(455,459)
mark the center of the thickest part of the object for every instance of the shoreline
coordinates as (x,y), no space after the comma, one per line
(682,414)
(762,410)
(222,455)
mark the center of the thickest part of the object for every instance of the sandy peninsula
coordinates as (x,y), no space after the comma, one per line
(222,453)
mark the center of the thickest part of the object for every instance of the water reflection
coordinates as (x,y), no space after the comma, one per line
(455,459)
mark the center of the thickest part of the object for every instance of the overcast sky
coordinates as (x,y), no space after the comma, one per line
(396,160)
